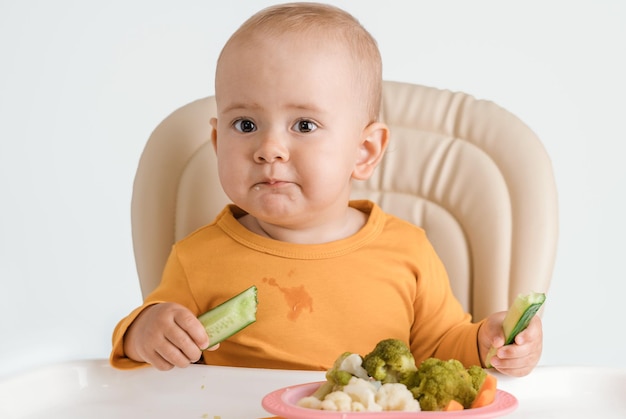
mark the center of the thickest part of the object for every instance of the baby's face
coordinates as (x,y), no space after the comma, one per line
(289,128)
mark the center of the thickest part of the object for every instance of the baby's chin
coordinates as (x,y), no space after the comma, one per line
(281,209)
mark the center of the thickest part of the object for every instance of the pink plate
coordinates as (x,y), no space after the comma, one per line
(283,403)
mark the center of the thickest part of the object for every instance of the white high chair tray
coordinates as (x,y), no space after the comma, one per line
(92,389)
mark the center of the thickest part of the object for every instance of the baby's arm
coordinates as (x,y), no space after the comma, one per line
(517,359)
(166,335)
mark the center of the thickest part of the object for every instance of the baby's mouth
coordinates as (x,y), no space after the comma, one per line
(270,184)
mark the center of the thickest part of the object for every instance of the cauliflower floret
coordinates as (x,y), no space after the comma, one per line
(358,407)
(396,396)
(362,393)
(346,366)
(353,364)
(358,395)
(365,396)
(310,402)
(337,401)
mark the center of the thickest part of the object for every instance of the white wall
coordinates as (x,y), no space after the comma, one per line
(82,84)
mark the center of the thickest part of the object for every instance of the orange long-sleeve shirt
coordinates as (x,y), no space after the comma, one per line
(317,301)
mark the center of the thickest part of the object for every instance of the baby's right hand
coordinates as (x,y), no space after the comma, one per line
(166,335)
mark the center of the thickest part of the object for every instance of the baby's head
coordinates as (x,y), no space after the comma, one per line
(316,25)
(298,91)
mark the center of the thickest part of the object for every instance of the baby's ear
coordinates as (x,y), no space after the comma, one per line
(213,122)
(373,144)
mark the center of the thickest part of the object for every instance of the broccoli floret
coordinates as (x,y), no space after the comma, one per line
(437,382)
(346,366)
(478,375)
(391,361)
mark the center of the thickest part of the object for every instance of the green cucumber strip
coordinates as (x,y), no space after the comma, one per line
(231,316)
(521,312)
(517,318)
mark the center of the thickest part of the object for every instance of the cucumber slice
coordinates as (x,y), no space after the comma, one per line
(231,316)
(518,317)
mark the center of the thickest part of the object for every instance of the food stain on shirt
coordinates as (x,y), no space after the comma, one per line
(297,298)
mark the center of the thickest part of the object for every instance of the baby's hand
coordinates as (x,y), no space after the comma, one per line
(517,359)
(166,335)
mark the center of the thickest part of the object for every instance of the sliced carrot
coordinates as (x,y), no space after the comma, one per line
(452,406)
(487,393)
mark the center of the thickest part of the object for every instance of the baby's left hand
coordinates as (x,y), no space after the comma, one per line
(517,359)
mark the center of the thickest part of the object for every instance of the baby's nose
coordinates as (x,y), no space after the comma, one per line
(270,150)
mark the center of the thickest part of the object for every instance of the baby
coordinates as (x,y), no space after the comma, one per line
(298,90)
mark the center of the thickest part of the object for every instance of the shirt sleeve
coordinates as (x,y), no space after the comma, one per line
(442,329)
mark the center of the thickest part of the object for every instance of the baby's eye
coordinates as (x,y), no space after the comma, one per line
(244,125)
(305,126)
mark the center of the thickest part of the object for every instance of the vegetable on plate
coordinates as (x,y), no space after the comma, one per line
(391,361)
(388,379)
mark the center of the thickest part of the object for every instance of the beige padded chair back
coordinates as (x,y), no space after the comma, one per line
(474,176)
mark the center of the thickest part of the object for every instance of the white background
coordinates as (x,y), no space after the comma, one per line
(83,83)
